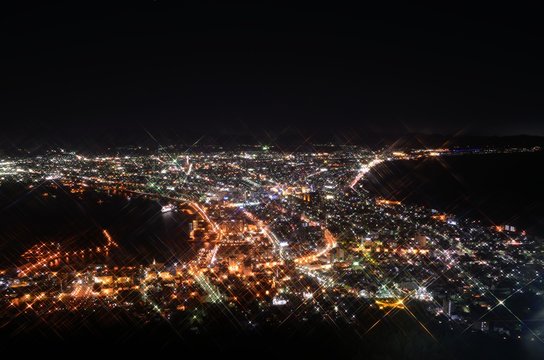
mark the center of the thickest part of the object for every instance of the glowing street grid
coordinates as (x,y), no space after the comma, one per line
(283,235)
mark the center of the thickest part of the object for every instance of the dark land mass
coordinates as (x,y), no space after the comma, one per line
(219,335)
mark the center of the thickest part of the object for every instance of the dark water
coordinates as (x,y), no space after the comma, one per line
(76,221)
(499,188)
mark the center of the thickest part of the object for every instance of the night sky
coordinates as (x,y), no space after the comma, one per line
(92,71)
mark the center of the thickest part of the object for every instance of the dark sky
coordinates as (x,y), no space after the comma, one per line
(91,70)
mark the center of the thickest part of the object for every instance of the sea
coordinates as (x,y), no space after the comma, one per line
(498,189)
(46,214)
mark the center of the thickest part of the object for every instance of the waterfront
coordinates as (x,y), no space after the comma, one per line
(76,220)
(494,188)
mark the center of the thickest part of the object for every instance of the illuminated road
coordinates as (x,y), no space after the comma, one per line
(364,170)
(330,243)
(205,216)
